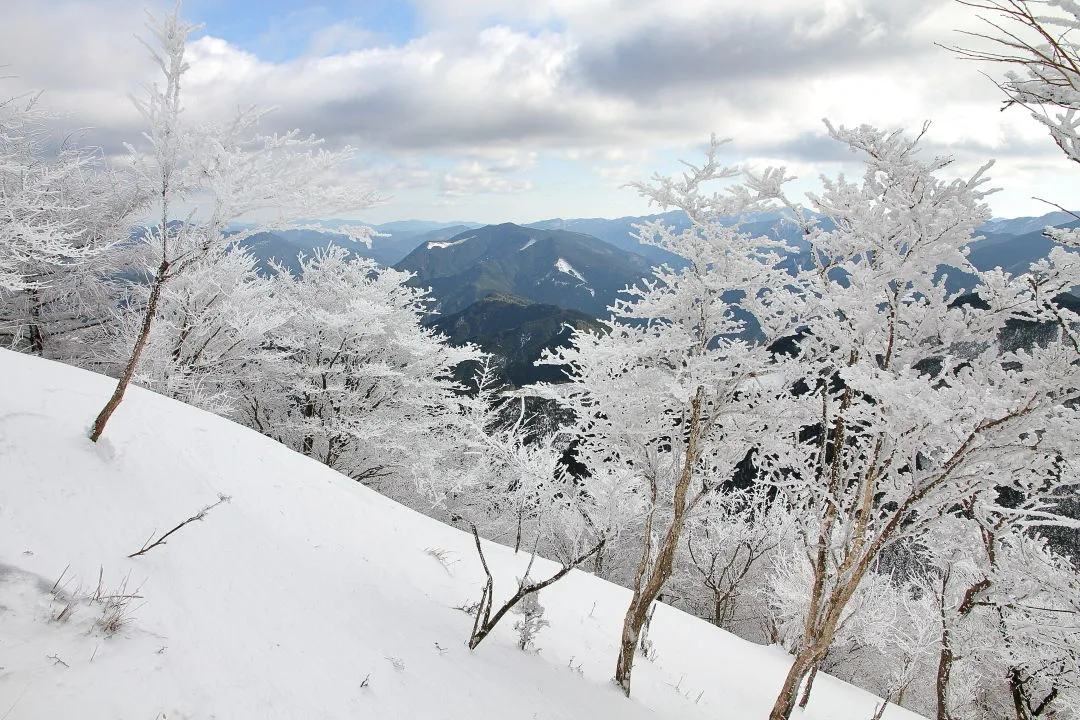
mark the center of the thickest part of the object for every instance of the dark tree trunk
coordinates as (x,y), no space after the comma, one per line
(136,352)
(809,686)
(37,337)
(944,671)
(651,577)
(789,692)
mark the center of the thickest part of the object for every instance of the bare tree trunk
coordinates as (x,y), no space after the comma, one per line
(520,522)
(947,657)
(789,691)
(826,606)
(1016,688)
(809,686)
(650,580)
(37,337)
(944,671)
(881,708)
(307,445)
(631,633)
(819,635)
(136,352)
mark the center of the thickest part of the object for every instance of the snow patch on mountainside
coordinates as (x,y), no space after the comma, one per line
(445,244)
(306,595)
(526,246)
(564,267)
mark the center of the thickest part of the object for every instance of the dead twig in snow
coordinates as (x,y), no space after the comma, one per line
(148,546)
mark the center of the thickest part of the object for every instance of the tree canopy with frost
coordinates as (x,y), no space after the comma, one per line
(350,376)
(674,394)
(910,407)
(60,213)
(231,168)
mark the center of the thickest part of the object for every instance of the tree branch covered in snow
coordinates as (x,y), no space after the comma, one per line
(239,169)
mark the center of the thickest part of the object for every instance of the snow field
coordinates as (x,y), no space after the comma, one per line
(305,596)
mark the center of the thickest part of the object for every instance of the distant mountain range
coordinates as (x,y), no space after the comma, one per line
(1025,225)
(1004,244)
(514,289)
(393,243)
(621,232)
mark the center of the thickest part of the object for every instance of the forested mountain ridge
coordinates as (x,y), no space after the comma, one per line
(517,332)
(572,270)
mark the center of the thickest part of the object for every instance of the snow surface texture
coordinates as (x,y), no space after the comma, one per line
(305,596)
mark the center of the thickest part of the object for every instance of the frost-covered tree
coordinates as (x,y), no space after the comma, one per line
(723,564)
(506,467)
(886,640)
(1037,41)
(1035,38)
(502,475)
(914,407)
(60,212)
(231,169)
(1008,618)
(212,326)
(670,399)
(351,377)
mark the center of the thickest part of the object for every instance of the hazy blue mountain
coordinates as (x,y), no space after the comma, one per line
(556,267)
(268,246)
(619,232)
(1013,252)
(1012,243)
(417,227)
(517,332)
(284,245)
(391,250)
(1025,225)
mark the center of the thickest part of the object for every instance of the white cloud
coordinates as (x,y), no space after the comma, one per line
(501,177)
(611,86)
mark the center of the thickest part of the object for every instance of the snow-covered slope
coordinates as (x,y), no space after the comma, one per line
(305,596)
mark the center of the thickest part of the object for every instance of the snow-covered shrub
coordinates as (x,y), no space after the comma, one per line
(351,377)
(723,565)
(532,619)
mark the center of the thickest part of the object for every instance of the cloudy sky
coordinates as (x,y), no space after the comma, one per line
(521,110)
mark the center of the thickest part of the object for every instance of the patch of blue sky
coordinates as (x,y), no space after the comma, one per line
(282,30)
